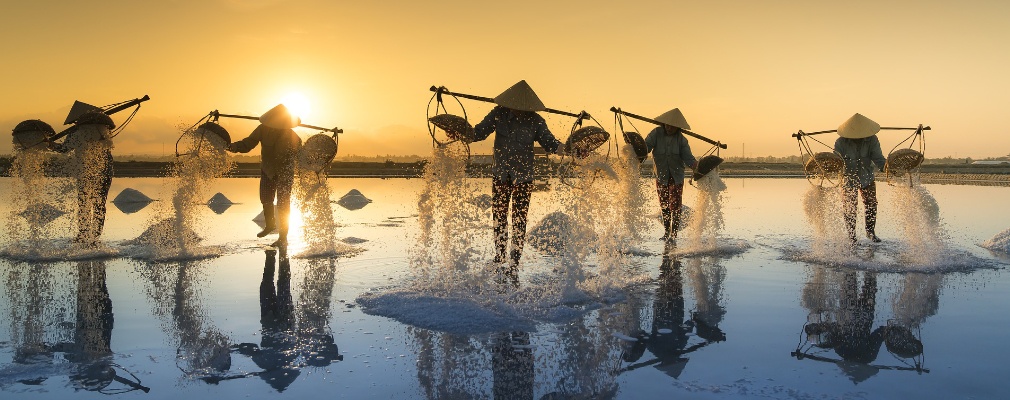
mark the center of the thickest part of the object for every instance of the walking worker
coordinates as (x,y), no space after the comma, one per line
(859,147)
(671,153)
(277,167)
(517,126)
(90,145)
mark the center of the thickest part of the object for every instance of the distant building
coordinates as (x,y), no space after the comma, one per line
(991,162)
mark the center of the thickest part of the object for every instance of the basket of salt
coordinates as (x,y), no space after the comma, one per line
(32,134)
(586,139)
(901,161)
(317,152)
(215,134)
(705,165)
(638,143)
(456,127)
(824,164)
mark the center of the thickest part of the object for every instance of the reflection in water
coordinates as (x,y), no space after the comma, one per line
(49,342)
(292,337)
(576,361)
(512,366)
(201,349)
(669,338)
(842,313)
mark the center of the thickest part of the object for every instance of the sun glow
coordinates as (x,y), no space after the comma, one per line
(297,103)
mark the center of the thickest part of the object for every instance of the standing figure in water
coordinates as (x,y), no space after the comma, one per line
(517,125)
(671,153)
(277,166)
(860,148)
(90,142)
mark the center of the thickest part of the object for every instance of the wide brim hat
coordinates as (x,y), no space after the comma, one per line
(78,109)
(674,118)
(858,127)
(280,117)
(520,97)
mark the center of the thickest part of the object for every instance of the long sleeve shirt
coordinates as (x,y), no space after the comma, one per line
(671,154)
(859,156)
(280,148)
(513,143)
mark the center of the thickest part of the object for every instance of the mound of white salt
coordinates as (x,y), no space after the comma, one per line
(41,213)
(130,195)
(219,203)
(165,234)
(551,233)
(1000,242)
(219,198)
(353,200)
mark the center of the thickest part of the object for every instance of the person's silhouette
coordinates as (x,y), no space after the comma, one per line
(275,353)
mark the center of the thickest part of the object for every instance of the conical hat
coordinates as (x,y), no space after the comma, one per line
(78,109)
(520,97)
(858,127)
(674,118)
(280,117)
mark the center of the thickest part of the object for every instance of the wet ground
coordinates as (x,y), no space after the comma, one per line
(762,318)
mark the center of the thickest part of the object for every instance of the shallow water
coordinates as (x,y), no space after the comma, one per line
(727,323)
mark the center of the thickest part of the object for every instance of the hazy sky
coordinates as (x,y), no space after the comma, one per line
(742,72)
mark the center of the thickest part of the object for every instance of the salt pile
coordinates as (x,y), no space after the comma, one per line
(41,213)
(353,200)
(219,203)
(130,201)
(1000,242)
(130,195)
(550,233)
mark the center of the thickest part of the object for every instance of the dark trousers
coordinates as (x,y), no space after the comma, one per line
(849,199)
(671,197)
(503,193)
(278,187)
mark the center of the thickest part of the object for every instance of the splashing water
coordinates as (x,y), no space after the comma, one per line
(319,229)
(823,208)
(633,194)
(34,221)
(447,256)
(192,176)
(918,216)
(706,221)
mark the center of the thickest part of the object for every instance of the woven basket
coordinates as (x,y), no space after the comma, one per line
(317,152)
(456,127)
(215,134)
(899,162)
(824,164)
(706,165)
(586,139)
(638,143)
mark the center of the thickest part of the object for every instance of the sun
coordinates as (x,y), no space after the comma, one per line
(297,103)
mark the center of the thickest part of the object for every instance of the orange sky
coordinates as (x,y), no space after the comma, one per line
(741,71)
